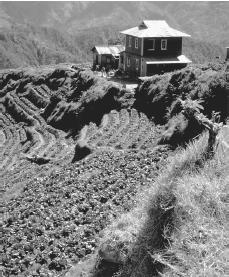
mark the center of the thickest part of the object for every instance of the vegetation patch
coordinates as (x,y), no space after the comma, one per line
(157,95)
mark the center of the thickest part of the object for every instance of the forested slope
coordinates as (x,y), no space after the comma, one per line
(31,45)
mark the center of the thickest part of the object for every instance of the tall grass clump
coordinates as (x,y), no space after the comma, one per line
(179,226)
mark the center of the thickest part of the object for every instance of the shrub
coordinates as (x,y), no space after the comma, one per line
(91,99)
(156,95)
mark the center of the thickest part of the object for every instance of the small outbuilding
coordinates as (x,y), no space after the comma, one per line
(107,56)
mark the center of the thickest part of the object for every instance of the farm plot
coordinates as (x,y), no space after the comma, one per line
(123,130)
(26,141)
(54,222)
(53,208)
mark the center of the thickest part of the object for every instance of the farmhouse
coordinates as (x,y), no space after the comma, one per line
(107,56)
(153,47)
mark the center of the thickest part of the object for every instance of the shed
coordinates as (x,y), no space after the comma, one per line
(107,56)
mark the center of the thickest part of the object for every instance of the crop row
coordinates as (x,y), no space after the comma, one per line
(35,97)
(10,144)
(123,130)
(114,122)
(29,104)
(94,133)
(17,110)
(124,121)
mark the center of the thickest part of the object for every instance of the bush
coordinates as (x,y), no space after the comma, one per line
(156,95)
(92,98)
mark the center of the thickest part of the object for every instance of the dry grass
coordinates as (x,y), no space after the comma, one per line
(179,226)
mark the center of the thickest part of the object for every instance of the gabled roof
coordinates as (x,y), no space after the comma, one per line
(154,28)
(113,50)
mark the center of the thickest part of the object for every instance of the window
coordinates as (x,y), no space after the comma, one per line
(136,42)
(152,44)
(128,61)
(137,64)
(129,41)
(164,44)
(108,59)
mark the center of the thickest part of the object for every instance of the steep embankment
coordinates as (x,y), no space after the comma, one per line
(75,149)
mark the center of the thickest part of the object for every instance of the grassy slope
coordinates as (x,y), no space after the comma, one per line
(179,226)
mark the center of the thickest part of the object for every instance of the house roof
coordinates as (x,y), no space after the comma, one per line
(154,28)
(182,59)
(113,50)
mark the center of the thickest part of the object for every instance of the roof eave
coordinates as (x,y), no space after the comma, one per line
(144,36)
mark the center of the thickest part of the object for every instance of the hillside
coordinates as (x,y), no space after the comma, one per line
(41,46)
(76,149)
(203,20)
(66,32)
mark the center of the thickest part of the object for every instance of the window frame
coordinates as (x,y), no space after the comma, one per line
(164,40)
(152,49)
(136,43)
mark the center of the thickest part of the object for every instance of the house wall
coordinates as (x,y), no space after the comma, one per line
(132,69)
(162,68)
(121,61)
(99,59)
(131,49)
(174,47)
(95,61)
(102,60)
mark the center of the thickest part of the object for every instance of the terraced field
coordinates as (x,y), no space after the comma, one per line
(27,142)
(126,129)
(53,208)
